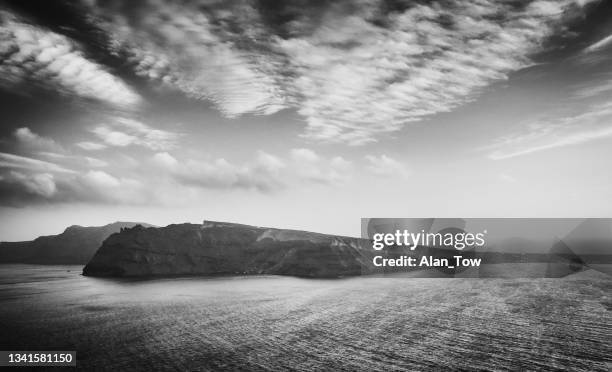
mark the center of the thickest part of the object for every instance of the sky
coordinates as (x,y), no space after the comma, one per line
(303,114)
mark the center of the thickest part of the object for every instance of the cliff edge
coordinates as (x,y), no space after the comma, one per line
(217,248)
(76,245)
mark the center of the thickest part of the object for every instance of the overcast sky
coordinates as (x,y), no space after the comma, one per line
(305,114)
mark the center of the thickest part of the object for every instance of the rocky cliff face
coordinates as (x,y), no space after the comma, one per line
(76,245)
(215,248)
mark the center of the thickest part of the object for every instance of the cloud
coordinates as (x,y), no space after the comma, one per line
(594,89)
(31,141)
(96,163)
(26,180)
(180,47)
(310,166)
(507,178)
(75,160)
(353,72)
(22,162)
(40,184)
(265,172)
(165,160)
(583,3)
(91,146)
(26,187)
(96,186)
(601,44)
(163,179)
(18,188)
(426,61)
(554,133)
(124,132)
(583,117)
(262,174)
(304,156)
(33,55)
(559,140)
(114,138)
(386,166)
(101,180)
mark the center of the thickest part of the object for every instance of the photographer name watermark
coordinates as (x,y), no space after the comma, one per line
(426,261)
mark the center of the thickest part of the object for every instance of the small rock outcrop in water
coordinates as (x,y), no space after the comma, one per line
(215,248)
(76,245)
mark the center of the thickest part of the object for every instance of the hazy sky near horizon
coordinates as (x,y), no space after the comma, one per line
(302,114)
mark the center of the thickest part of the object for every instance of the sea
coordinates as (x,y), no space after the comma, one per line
(275,323)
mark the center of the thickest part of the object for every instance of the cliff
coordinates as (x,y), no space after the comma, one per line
(215,248)
(76,245)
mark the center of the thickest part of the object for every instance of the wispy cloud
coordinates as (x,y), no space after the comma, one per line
(594,89)
(386,166)
(91,146)
(38,185)
(179,46)
(13,161)
(554,133)
(266,172)
(310,166)
(25,181)
(31,142)
(603,43)
(124,132)
(100,186)
(62,176)
(164,178)
(354,73)
(95,163)
(37,56)
(584,116)
(360,80)
(263,173)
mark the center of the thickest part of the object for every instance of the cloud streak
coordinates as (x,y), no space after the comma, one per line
(124,132)
(33,55)
(179,46)
(27,163)
(554,133)
(26,181)
(601,44)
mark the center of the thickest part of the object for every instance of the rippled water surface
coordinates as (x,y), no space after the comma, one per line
(279,323)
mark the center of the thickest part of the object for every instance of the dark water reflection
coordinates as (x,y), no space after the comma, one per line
(280,323)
